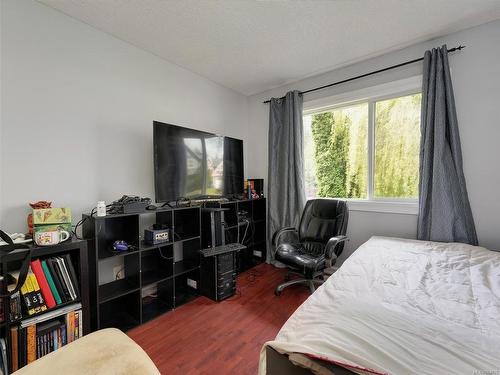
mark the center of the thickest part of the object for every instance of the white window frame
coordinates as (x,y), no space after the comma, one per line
(371,95)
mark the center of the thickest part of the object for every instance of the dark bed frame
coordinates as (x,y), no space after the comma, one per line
(279,364)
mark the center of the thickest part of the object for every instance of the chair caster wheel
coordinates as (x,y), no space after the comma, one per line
(277,293)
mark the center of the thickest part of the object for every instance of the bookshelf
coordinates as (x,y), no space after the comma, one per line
(153,279)
(77,251)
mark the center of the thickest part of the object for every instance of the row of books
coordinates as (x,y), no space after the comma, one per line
(36,337)
(50,282)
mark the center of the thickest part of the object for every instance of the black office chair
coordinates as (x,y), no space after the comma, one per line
(316,245)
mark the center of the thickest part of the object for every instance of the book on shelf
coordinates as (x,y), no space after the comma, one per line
(3,289)
(14,344)
(15,298)
(43,334)
(50,281)
(33,295)
(4,369)
(15,306)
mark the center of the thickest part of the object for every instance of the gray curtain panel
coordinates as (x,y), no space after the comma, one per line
(444,209)
(286,192)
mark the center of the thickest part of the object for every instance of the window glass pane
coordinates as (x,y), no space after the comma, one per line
(336,152)
(397,142)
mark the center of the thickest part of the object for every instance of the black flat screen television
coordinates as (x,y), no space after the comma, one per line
(192,164)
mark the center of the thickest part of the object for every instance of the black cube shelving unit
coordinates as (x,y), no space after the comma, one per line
(170,269)
(251,234)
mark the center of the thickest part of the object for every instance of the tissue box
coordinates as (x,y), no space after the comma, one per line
(49,219)
(44,216)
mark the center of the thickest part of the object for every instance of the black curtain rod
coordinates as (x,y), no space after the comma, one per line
(369,74)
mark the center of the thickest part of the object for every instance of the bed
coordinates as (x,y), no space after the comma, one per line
(398,307)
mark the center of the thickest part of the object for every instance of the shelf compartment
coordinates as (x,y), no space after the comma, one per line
(230,216)
(259,209)
(186,256)
(156,265)
(123,228)
(117,289)
(186,224)
(161,302)
(123,312)
(260,232)
(245,206)
(158,220)
(185,266)
(187,287)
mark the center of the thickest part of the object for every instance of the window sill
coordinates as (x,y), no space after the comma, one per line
(405,208)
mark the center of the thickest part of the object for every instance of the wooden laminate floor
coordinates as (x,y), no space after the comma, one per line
(206,337)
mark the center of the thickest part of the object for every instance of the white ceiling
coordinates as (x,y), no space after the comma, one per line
(251,46)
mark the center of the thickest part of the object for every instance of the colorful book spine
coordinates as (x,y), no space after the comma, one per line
(14,345)
(27,292)
(40,301)
(51,282)
(70,323)
(31,343)
(36,266)
(15,306)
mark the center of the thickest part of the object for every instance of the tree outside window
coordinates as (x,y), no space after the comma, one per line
(337,152)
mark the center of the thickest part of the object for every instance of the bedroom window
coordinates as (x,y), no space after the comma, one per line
(365,150)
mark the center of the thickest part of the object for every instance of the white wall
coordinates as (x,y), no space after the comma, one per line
(476,79)
(77,111)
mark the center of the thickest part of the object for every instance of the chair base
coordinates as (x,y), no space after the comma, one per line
(309,282)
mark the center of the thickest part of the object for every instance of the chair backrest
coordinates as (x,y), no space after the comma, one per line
(321,220)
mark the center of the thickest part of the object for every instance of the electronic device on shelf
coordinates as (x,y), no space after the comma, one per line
(223,249)
(157,234)
(121,246)
(128,205)
(208,201)
(191,163)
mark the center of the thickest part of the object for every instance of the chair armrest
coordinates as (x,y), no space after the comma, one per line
(279,232)
(332,244)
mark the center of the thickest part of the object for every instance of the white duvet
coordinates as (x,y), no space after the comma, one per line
(404,307)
